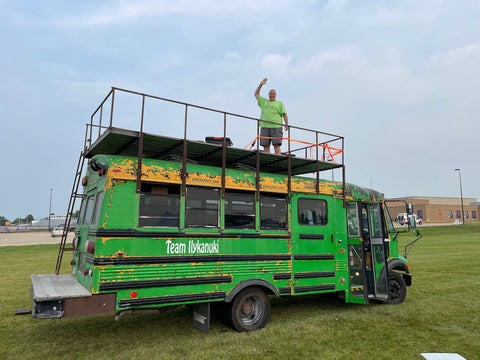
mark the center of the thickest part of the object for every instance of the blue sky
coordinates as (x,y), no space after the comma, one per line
(400,80)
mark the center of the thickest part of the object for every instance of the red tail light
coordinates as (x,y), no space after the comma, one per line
(90,247)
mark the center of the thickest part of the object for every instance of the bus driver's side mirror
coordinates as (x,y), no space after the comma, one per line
(410,209)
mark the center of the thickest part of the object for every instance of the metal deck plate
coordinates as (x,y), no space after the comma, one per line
(52,287)
(115,141)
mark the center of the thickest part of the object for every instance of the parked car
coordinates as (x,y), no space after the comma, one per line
(57,231)
(402,219)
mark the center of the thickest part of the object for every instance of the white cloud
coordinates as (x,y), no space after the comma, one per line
(319,60)
(336,6)
(276,64)
(231,56)
(121,12)
(457,55)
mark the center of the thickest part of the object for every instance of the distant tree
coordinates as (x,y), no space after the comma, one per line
(26,220)
(3,221)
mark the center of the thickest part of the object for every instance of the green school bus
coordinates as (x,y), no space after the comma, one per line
(170,221)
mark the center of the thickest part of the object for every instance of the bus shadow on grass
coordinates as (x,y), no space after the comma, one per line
(175,320)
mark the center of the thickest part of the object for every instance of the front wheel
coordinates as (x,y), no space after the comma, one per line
(250,310)
(397,288)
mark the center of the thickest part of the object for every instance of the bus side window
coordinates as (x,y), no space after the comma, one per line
(201,207)
(312,212)
(352,220)
(239,210)
(82,211)
(87,220)
(273,212)
(92,210)
(98,206)
(376,220)
(159,205)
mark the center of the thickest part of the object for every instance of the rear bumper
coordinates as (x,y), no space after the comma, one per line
(56,296)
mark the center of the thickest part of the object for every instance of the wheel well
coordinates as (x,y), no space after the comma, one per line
(400,267)
(259,283)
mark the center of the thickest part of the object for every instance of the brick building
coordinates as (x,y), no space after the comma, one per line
(438,209)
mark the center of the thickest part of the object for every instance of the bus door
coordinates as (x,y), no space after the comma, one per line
(373,251)
(313,259)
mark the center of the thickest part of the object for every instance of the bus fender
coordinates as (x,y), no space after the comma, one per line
(248,283)
(399,265)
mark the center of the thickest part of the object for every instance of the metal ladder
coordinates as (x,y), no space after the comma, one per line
(71,205)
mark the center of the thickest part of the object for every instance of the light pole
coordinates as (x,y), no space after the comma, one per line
(50,209)
(461,194)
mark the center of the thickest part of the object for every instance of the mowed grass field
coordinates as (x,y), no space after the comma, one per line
(440,314)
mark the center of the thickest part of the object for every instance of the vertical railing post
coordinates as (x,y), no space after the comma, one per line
(317,183)
(88,133)
(184,160)
(257,167)
(289,164)
(100,122)
(140,149)
(224,153)
(343,175)
(111,109)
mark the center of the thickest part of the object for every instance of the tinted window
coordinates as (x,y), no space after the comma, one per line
(98,206)
(352,220)
(82,211)
(239,210)
(87,220)
(312,212)
(273,212)
(376,221)
(201,207)
(159,206)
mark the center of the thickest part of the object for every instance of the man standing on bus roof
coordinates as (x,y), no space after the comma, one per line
(272,112)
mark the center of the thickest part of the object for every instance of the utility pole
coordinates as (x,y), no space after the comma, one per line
(50,209)
(461,194)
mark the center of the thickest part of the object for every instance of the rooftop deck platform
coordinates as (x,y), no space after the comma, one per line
(301,157)
(115,141)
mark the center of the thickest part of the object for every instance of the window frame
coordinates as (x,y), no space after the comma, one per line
(250,213)
(278,198)
(89,209)
(357,218)
(301,208)
(203,209)
(170,216)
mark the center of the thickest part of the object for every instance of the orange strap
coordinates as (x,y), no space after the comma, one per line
(331,150)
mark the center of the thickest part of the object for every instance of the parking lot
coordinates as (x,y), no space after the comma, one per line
(31,238)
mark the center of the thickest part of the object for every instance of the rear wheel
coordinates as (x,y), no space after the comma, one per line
(250,310)
(397,288)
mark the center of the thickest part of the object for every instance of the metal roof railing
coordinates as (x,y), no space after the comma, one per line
(324,152)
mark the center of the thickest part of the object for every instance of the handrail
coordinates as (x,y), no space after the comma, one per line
(325,145)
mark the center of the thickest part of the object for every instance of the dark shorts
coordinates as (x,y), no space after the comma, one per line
(272,135)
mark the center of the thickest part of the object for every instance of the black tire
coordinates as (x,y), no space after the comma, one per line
(249,311)
(397,288)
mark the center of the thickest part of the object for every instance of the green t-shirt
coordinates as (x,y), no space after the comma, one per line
(271,111)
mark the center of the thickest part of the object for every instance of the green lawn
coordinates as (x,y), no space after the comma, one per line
(440,314)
